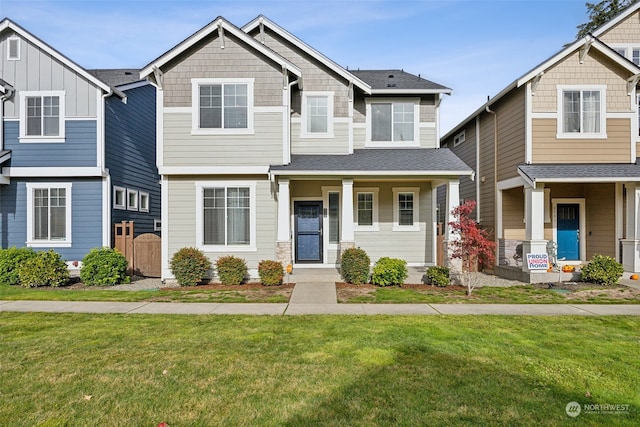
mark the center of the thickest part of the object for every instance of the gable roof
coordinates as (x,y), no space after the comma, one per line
(118,76)
(207,30)
(6,23)
(398,162)
(350,76)
(398,81)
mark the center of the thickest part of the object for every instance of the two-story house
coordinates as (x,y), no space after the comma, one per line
(270,150)
(65,140)
(555,154)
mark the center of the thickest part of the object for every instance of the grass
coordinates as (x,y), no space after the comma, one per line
(521,294)
(117,370)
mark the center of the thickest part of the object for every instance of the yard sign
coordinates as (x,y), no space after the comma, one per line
(537,261)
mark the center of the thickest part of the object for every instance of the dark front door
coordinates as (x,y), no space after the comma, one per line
(308,229)
(569,231)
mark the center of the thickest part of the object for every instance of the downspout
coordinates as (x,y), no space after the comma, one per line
(495,180)
(106,235)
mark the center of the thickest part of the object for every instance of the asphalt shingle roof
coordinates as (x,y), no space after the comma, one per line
(117,77)
(395,79)
(416,160)
(581,171)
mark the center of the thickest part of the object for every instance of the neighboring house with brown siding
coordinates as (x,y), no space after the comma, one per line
(269,150)
(555,154)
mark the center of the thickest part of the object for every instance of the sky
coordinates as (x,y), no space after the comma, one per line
(475,47)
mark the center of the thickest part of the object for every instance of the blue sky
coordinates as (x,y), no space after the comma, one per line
(475,47)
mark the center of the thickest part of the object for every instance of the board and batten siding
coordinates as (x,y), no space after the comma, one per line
(236,60)
(415,247)
(180,227)
(339,144)
(86,215)
(616,148)
(78,150)
(263,148)
(36,70)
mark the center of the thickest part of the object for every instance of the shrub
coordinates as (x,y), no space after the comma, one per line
(44,269)
(104,267)
(10,260)
(602,269)
(354,266)
(389,271)
(438,276)
(271,272)
(189,266)
(231,270)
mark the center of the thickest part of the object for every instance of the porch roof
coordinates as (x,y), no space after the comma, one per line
(4,156)
(400,162)
(581,172)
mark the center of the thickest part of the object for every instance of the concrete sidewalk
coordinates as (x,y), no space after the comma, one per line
(314,309)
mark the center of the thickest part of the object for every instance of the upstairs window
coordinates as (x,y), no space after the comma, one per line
(582,112)
(459,138)
(41,116)
(317,114)
(13,49)
(393,122)
(222,106)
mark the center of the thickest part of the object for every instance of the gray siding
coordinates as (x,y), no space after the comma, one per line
(339,144)
(78,150)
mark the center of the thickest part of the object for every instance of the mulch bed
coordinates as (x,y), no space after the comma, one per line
(415,286)
(221,287)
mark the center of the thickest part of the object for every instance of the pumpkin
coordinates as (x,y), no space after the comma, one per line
(568,268)
(634,277)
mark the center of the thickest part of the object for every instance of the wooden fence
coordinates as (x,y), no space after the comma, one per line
(142,253)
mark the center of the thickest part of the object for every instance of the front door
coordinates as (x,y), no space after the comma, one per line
(308,231)
(569,231)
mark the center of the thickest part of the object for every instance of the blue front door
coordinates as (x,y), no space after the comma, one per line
(308,231)
(569,231)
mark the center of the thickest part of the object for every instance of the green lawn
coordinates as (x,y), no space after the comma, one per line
(124,370)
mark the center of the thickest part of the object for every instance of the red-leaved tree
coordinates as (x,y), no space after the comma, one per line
(472,245)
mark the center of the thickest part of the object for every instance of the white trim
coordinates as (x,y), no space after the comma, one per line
(10,39)
(132,199)
(157,224)
(217,170)
(620,115)
(410,91)
(396,208)
(427,125)
(375,226)
(164,217)
(414,174)
(199,224)
(160,128)
(23,116)
(582,235)
(510,183)
(106,211)
(528,124)
(304,133)
(269,109)
(176,110)
(195,105)
(459,138)
(145,207)
(544,115)
(31,242)
(123,192)
(100,130)
(392,144)
(326,245)
(43,172)
(619,215)
(602,89)
(133,85)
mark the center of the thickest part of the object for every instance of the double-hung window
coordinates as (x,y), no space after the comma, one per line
(393,122)
(581,112)
(405,209)
(42,116)
(49,214)
(222,106)
(366,209)
(226,215)
(317,115)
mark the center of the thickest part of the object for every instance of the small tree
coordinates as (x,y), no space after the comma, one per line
(601,13)
(472,244)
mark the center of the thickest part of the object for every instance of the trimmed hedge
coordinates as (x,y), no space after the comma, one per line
(354,266)
(44,269)
(271,272)
(189,266)
(10,260)
(104,267)
(389,271)
(438,276)
(603,270)
(231,270)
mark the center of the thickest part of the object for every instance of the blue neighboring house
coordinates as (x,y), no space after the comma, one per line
(77,149)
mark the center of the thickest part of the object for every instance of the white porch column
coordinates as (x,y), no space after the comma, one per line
(631,242)
(534,242)
(283,237)
(453,201)
(347,236)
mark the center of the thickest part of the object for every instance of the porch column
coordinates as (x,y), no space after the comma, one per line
(347,237)
(631,242)
(453,201)
(283,238)
(534,242)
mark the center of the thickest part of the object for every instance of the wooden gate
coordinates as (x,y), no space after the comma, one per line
(142,253)
(440,244)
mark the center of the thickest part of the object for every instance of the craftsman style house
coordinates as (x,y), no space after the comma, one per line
(555,154)
(270,150)
(65,149)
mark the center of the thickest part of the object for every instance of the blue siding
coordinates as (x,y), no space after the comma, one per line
(78,150)
(131,152)
(86,215)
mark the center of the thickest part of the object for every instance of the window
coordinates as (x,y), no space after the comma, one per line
(393,122)
(222,106)
(157,225)
(405,210)
(367,209)
(144,202)
(317,114)
(13,51)
(42,116)
(226,215)
(459,138)
(334,217)
(48,215)
(132,200)
(582,112)
(119,198)
(638,102)
(632,53)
